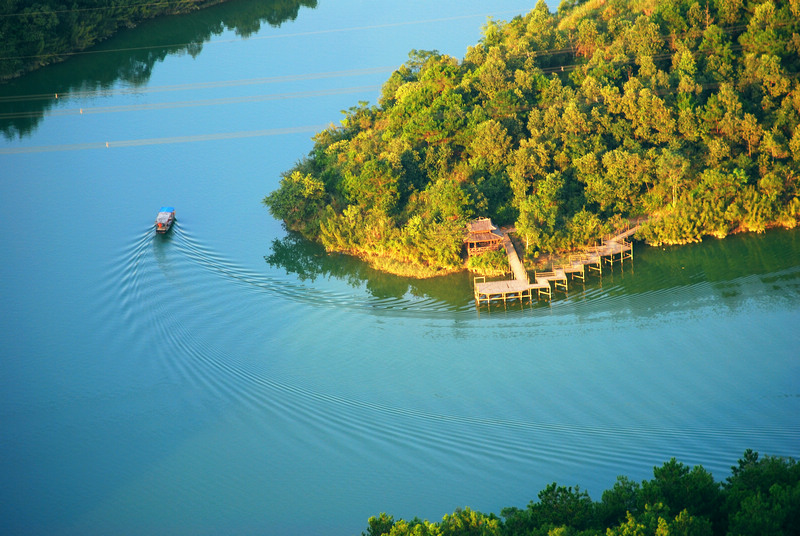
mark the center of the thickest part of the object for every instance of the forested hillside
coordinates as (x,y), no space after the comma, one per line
(760,498)
(39,32)
(566,125)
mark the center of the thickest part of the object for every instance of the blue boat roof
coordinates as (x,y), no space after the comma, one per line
(167,209)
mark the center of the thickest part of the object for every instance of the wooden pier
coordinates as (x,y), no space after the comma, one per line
(612,249)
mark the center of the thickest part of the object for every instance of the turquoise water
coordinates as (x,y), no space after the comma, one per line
(228,378)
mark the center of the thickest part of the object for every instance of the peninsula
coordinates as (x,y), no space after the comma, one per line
(566,126)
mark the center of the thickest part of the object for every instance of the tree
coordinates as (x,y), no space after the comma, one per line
(494,76)
(686,72)
(762,495)
(655,521)
(671,168)
(751,132)
(468,522)
(644,38)
(619,501)
(729,10)
(375,186)
(299,201)
(716,59)
(562,506)
(679,488)
(687,111)
(490,146)
(589,38)
(761,36)
(379,526)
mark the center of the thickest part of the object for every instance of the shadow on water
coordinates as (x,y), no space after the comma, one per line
(727,266)
(130,56)
(725,273)
(309,262)
(728,274)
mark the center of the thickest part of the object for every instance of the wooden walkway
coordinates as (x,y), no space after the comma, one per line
(611,249)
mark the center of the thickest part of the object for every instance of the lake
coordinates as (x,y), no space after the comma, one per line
(230,378)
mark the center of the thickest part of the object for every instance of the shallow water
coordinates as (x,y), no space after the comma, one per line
(230,378)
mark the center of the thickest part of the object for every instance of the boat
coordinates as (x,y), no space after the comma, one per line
(164,219)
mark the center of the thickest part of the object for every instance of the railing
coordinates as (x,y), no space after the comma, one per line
(482,249)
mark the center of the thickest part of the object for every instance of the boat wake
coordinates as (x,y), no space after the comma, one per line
(272,347)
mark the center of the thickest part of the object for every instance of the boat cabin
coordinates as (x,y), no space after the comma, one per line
(165,218)
(482,237)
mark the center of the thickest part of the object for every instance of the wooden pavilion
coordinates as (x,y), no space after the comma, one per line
(482,236)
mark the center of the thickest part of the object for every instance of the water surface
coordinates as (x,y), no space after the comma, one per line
(230,378)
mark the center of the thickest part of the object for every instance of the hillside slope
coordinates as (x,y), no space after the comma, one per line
(566,125)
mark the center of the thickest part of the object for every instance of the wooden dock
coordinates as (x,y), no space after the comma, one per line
(611,249)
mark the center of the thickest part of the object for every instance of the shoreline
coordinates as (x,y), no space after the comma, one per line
(546,261)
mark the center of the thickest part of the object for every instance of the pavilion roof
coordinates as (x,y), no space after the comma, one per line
(482,230)
(483,237)
(481,225)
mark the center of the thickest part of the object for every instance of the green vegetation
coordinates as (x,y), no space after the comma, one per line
(567,126)
(760,498)
(491,263)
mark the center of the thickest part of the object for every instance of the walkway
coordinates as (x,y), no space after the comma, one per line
(520,274)
(611,248)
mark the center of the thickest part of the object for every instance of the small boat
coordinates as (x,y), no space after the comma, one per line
(164,219)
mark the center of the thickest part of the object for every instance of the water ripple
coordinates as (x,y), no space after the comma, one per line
(294,290)
(657,286)
(191,326)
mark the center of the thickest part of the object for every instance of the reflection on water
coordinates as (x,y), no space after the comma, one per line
(130,57)
(715,273)
(309,261)
(719,273)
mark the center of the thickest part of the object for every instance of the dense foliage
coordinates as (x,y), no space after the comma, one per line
(760,498)
(568,125)
(37,33)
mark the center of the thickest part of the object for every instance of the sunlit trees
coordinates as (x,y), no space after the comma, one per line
(760,497)
(566,125)
(299,202)
(656,521)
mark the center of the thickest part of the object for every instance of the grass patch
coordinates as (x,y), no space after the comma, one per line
(490,263)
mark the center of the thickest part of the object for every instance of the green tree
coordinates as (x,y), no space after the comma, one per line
(299,202)
(375,187)
(589,39)
(468,522)
(671,168)
(679,488)
(762,35)
(379,526)
(655,521)
(617,502)
(563,506)
(762,496)
(490,147)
